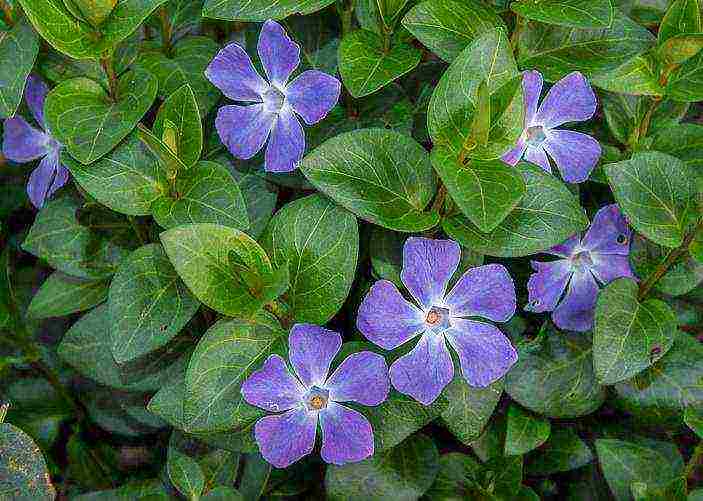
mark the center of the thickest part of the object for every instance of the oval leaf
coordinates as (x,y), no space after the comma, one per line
(23,471)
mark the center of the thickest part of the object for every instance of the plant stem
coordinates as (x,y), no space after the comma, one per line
(137,229)
(438,204)
(166,30)
(647,120)
(669,261)
(106,63)
(515,37)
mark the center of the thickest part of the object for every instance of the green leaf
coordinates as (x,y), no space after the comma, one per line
(201,255)
(459,477)
(128,179)
(57,237)
(79,39)
(486,192)
(683,16)
(179,116)
(260,10)
(255,476)
(629,336)
(18,50)
(469,408)
(224,358)
(683,141)
(569,13)
(564,451)
(184,471)
(23,471)
(380,175)
(406,472)
(639,76)
(205,193)
(89,124)
(149,305)
(185,66)
(693,417)
(62,295)
(624,114)
(319,243)
(547,215)
(366,66)
(680,48)
(554,376)
(488,64)
(153,490)
(657,193)
(695,249)
(93,11)
(557,51)
(624,463)
(223,493)
(447,27)
(660,394)
(260,198)
(524,432)
(685,83)
(389,10)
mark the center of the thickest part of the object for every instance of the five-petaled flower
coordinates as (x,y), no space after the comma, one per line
(387,319)
(245,129)
(601,256)
(24,143)
(571,99)
(309,395)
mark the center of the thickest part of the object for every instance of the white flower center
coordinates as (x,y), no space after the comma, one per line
(273,100)
(535,135)
(437,319)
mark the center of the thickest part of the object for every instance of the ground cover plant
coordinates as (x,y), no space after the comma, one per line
(351,249)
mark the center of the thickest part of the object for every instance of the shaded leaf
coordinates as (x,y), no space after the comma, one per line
(570,13)
(469,409)
(524,431)
(564,451)
(18,50)
(23,471)
(179,117)
(62,295)
(260,10)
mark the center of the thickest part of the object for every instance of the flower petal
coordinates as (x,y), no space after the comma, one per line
(484,352)
(428,264)
(485,291)
(566,249)
(362,378)
(287,144)
(232,71)
(575,154)
(532,88)
(537,156)
(609,232)
(571,99)
(273,387)
(576,310)
(546,287)
(41,179)
(425,371)
(21,142)
(35,92)
(313,94)
(279,55)
(312,349)
(609,267)
(285,438)
(244,129)
(347,436)
(515,155)
(386,318)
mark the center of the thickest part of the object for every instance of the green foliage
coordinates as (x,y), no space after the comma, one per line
(18,50)
(23,471)
(569,13)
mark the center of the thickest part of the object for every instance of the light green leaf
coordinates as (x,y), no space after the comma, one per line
(639,77)
(224,358)
(447,27)
(23,471)
(93,11)
(89,124)
(683,16)
(179,116)
(366,66)
(469,409)
(319,242)
(547,215)
(382,176)
(680,48)
(564,451)
(657,193)
(205,193)
(62,295)
(524,431)
(629,336)
(685,83)
(128,179)
(569,13)
(18,50)
(260,10)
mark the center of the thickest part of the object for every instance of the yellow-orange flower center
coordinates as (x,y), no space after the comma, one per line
(433,318)
(317,402)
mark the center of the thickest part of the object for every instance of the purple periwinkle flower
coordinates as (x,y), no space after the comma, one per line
(308,396)
(571,99)
(245,129)
(23,143)
(601,256)
(387,319)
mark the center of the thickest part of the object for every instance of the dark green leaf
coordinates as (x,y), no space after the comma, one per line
(639,76)
(260,10)
(23,471)
(223,493)
(564,451)
(260,198)
(179,121)
(458,478)
(18,50)
(469,408)
(153,490)
(569,13)
(255,476)
(693,417)
(683,16)
(683,141)
(62,295)
(183,470)
(686,82)
(524,431)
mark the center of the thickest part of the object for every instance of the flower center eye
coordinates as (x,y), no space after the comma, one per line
(317,402)
(535,135)
(622,239)
(437,319)
(582,260)
(433,317)
(316,399)
(273,100)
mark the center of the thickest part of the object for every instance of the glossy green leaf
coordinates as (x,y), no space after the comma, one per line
(18,50)
(569,13)
(693,417)
(225,356)
(524,431)
(93,11)
(657,194)
(554,376)
(680,48)
(685,83)
(683,141)
(639,77)
(183,470)
(629,336)
(319,242)
(205,193)
(260,10)
(459,477)
(179,116)
(447,27)
(469,409)
(260,198)
(564,451)
(82,116)
(62,295)
(129,179)
(382,176)
(366,66)
(201,255)
(683,16)
(23,470)
(405,472)
(624,113)
(546,215)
